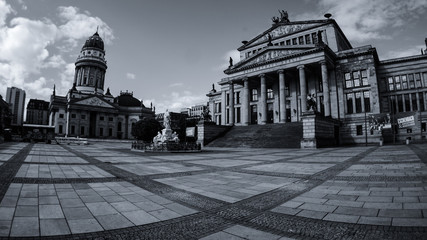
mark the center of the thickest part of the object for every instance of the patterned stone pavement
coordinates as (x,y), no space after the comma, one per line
(106,191)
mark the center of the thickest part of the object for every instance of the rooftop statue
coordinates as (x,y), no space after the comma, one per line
(284,16)
(231,62)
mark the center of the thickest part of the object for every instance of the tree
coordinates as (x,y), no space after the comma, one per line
(146,129)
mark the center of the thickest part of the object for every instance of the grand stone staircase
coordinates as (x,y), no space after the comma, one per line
(286,135)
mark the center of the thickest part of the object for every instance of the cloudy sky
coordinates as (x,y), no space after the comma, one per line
(170,52)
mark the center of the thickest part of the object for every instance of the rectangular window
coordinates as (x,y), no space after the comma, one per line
(82,130)
(307,39)
(228,100)
(411,81)
(418,80)
(390,84)
(110,119)
(238,115)
(397,82)
(407,103)
(356,78)
(101,132)
(254,94)
(421,97)
(237,97)
(358,102)
(294,41)
(73,115)
(423,127)
(425,79)
(314,37)
(400,103)
(73,129)
(60,129)
(270,94)
(301,40)
(414,101)
(349,103)
(83,116)
(359,130)
(110,132)
(348,80)
(288,42)
(364,74)
(404,82)
(227,116)
(393,104)
(367,101)
(219,107)
(61,115)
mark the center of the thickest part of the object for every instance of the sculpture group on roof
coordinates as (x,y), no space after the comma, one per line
(284,17)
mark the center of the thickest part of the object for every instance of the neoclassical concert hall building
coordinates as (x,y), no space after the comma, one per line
(309,72)
(86,111)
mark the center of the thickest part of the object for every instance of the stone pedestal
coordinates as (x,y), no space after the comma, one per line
(318,131)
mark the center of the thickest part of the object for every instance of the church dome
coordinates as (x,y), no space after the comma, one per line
(95,41)
(126,99)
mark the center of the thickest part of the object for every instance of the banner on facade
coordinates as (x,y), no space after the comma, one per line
(406,121)
(190,132)
(379,121)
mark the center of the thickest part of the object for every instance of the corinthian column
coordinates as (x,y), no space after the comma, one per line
(245,102)
(263,100)
(303,88)
(325,83)
(231,107)
(223,107)
(282,96)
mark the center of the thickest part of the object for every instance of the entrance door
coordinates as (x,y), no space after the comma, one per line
(92,124)
(288,115)
(270,113)
(254,114)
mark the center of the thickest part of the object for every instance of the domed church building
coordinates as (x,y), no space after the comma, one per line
(88,111)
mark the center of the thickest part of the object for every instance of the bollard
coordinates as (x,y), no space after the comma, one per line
(407,141)
(381,142)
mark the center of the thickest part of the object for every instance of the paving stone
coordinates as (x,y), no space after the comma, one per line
(250,233)
(113,221)
(84,225)
(312,214)
(292,204)
(309,200)
(164,214)
(77,213)
(139,217)
(25,227)
(48,200)
(357,211)
(6,213)
(28,201)
(375,220)
(286,210)
(72,202)
(420,222)
(318,207)
(344,203)
(375,199)
(415,205)
(52,227)
(341,218)
(50,211)
(180,209)
(100,208)
(400,213)
(26,211)
(124,206)
(5,228)
(149,206)
(221,236)
(383,205)
(9,201)
(406,199)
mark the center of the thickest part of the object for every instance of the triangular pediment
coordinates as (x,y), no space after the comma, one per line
(281,30)
(271,54)
(94,102)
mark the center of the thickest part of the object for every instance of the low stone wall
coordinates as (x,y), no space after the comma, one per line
(318,131)
(207,132)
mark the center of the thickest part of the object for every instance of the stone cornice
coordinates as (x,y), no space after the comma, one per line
(403,59)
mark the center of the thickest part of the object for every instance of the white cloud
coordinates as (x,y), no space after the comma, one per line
(176,101)
(364,20)
(225,60)
(130,75)
(26,48)
(176,85)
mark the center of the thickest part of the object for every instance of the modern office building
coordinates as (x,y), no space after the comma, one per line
(16,99)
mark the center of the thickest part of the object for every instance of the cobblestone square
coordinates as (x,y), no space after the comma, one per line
(108,191)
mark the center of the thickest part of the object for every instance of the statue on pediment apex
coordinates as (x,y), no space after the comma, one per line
(231,62)
(284,16)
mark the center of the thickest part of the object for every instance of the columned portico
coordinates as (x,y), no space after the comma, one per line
(263,100)
(325,83)
(282,96)
(231,101)
(245,102)
(303,88)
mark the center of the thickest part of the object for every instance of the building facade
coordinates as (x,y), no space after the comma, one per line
(16,99)
(86,111)
(298,67)
(37,112)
